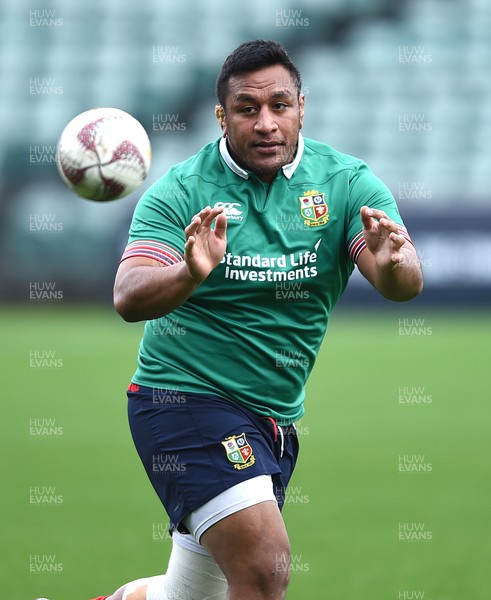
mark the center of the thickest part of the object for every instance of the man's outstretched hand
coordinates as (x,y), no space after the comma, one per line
(205,245)
(382,237)
(389,262)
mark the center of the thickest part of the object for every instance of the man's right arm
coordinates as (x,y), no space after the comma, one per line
(145,289)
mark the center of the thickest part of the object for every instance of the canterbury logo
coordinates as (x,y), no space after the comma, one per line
(232,210)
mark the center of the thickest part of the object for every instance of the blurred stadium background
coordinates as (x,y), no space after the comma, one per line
(404,85)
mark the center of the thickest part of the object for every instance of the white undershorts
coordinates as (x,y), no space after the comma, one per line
(247,493)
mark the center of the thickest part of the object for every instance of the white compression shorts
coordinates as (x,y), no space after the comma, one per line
(247,493)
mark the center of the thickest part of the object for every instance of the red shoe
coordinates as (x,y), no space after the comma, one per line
(100,598)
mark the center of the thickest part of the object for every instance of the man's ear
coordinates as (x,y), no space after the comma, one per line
(301,109)
(220,115)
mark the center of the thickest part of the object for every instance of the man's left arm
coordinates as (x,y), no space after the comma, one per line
(389,261)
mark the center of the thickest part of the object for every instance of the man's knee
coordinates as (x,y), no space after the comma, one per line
(268,571)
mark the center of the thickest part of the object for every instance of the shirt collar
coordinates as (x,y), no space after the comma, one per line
(288,169)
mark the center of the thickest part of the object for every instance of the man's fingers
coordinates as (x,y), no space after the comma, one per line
(366,217)
(201,224)
(221,226)
(397,239)
(206,217)
(211,216)
(199,218)
(374,213)
(389,225)
(193,227)
(370,216)
(189,245)
(204,213)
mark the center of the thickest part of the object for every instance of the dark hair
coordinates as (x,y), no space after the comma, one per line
(252,56)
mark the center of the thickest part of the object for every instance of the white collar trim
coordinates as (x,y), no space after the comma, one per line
(231,164)
(288,170)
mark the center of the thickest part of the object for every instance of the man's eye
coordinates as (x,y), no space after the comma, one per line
(280,106)
(247,110)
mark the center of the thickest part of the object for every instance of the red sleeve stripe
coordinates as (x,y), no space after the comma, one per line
(356,247)
(155,250)
(358,244)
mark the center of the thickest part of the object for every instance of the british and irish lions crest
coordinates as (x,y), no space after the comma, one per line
(313,208)
(239,451)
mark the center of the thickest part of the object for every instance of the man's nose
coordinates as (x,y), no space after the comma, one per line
(266,121)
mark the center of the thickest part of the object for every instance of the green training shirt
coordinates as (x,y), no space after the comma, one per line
(251,332)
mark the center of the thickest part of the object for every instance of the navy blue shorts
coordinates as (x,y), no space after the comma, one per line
(196,446)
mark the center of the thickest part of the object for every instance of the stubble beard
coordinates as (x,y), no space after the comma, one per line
(283,156)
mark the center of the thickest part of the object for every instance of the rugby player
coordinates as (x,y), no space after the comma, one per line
(224,359)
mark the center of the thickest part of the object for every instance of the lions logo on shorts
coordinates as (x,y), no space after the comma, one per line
(239,451)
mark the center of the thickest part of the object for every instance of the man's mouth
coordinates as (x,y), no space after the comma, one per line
(265,147)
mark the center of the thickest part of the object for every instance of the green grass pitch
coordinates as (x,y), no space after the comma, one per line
(391,498)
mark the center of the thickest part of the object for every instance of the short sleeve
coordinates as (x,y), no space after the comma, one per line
(366,189)
(159,220)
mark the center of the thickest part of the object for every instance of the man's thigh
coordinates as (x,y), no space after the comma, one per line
(249,542)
